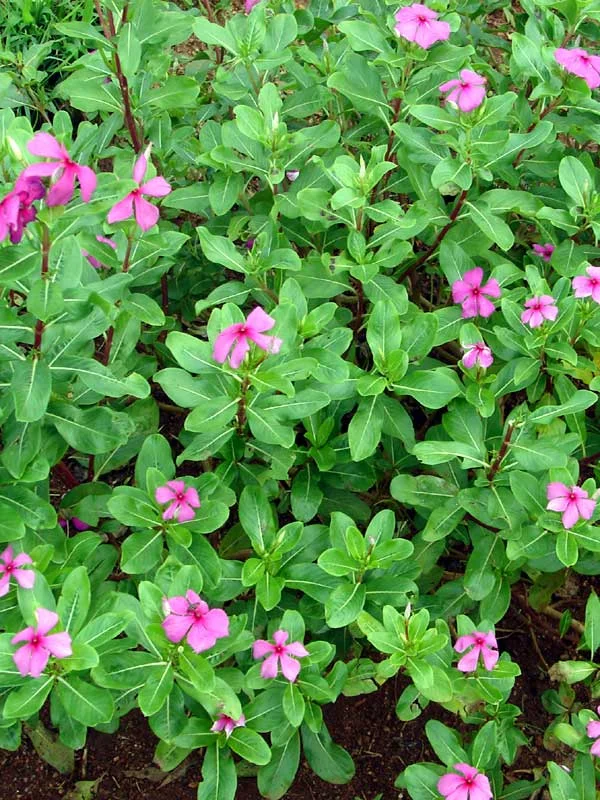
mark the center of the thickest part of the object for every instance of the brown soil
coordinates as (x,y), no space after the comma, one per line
(367,726)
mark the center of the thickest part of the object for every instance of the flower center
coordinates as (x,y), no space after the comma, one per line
(279,649)
(476,291)
(594,281)
(197,613)
(35,640)
(572,497)
(464,85)
(9,568)
(422,20)
(469,781)
(180,497)
(479,640)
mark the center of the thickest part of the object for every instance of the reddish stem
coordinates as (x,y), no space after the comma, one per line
(164,291)
(501,453)
(544,113)
(441,235)
(39,325)
(66,475)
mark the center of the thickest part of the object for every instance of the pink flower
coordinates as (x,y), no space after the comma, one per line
(228,724)
(478,354)
(33,657)
(16,208)
(581,63)
(544,250)
(593,731)
(249,5)
(538,309)
(483,644)
(470,293)
(573,501)
(588,286)
(45,145)
(420,24)
(12,566)
(146,214)
(467,92)
(241,334)
(77,523)
(182,501)
(190,616)
(470,785)
(94,261)
(292,175)
(280,655)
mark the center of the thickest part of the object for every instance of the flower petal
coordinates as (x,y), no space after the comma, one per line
(156,187)
(259,320)
(239,352)
(59,644)
(146,214)
(289,667)
(269,667)
(164,494)
(199,638)
(45,145)
(121,210)
(468,662)
(176,626)
(87,182)
(224,343)
(64,188)
(570,515)
(46,620)
(261,647)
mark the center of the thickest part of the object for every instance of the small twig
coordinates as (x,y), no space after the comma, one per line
(549,611)
(502,452)
(441,235)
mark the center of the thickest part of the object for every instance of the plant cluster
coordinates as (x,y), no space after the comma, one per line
(299,355)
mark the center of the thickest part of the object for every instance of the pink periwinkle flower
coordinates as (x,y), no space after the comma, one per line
(190,616)
(292,175)
(593,731)
(278,655)
(45,145)
(469,785)
(478,354)
(544,250)
(420,24)
(182,501)
(538,309)
(588,285)
(33,657)
(241,334)
(77,523)
(228,724)
(249,244)
(249,5)
(467,92)
(581,63)
(94,261)
(11,566)
(471,294)
(16,209)
(573,501)
(482,644)
(146,214)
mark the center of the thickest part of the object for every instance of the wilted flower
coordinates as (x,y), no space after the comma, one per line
(11,566)
(478,354)
(469,785)
(182,501)
(482,644)
(45,145)
(16,209)
(588,286)
(146,214)
(538,309)
(33,657)
(249,5)
(467,92)
(573,501)
(278,655)
(94,261)
(77,523)
(593,731)
(581,63)
(228,724)
(470,293)
(544,250)
(292,175)
(190,616)
(241,334)
(420,24)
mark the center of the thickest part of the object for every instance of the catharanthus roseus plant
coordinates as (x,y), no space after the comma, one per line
(299,333)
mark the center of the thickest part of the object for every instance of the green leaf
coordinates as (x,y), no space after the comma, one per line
(306,495)
(364,36)
(45,300)
(361,84)
(129,50)
(87,703)
(592,624)
(579,401)
(24,702)
(141,552)
(220,250)
(421,781)
(445,743)
(94,431)
(440,452)
(213,34)
(432,389)
(567,550)
(293,705)
(328,760)
(101,379)
(277,776)
(250,745)
(74,602)
(561,784)
(492,226)
(257,518)
(157,687)
(178,91)
(345,604)
(219,777)
(575,180)
(364,431)
(31,387)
